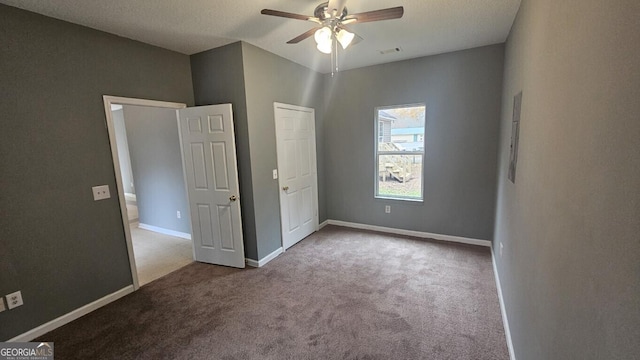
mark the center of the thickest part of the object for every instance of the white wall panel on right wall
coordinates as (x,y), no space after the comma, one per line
(570,225)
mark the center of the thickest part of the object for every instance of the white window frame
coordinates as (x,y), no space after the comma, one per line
(377,154)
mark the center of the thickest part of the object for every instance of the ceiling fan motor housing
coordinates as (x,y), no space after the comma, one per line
(322,13)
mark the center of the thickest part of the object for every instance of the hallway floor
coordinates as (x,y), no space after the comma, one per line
(157,254)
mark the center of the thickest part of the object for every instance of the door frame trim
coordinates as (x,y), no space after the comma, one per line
(117,100)
(277,105)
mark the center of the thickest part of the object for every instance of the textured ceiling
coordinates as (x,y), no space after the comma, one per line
(428,26)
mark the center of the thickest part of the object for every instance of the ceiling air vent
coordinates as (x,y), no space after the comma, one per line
(391,51)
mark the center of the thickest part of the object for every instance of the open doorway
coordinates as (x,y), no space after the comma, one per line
(148,161)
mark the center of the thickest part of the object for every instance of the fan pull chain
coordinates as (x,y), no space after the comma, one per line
(334,58)
(335,43)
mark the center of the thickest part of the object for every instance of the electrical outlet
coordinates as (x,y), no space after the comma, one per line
(501,247)
(178,215)
(101,192)
(14,300)
(387,209)
(2,308)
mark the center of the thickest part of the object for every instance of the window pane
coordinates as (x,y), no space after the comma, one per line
(400,176)
(401,129)
(400,151)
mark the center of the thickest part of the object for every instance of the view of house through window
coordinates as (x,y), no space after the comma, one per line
(400,151)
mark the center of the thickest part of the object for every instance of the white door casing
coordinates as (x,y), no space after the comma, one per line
(298,180)
(108,101)
(211,173)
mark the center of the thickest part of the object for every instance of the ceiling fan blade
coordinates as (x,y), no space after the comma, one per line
(376,15)
(335,7)
(303,36)
(289,15)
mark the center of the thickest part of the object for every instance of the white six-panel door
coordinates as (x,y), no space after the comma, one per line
(212,184)
(296,145)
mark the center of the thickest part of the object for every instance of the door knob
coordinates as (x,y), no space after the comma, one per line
(233,198)
(285,188)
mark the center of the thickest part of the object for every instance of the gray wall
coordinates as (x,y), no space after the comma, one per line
(126,173)
(462,92)
(58,246)
(268,79)
(154,148)
(218,78)
(252,79)
(570,225)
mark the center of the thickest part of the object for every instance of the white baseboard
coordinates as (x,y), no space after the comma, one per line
(251,262)
(165,231)
(419,234)
(73,315)
(262,262)
(323,224)
(503,310)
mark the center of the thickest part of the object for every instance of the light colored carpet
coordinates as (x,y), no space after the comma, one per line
(339,294)
(157,254)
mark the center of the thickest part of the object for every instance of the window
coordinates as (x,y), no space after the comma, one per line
(400,152)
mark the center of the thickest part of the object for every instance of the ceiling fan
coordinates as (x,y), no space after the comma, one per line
(331,18)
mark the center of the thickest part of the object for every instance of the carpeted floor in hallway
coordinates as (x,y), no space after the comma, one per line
(339,294)
(158,254)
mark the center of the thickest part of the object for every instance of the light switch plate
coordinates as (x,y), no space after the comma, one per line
(275,174)
(101,192)
(14,300)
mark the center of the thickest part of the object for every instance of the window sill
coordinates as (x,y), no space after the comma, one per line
(378,197)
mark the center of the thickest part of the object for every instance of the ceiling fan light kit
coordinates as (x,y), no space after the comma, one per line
(332,16)
(324,39)
(344,37)
(325,47)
